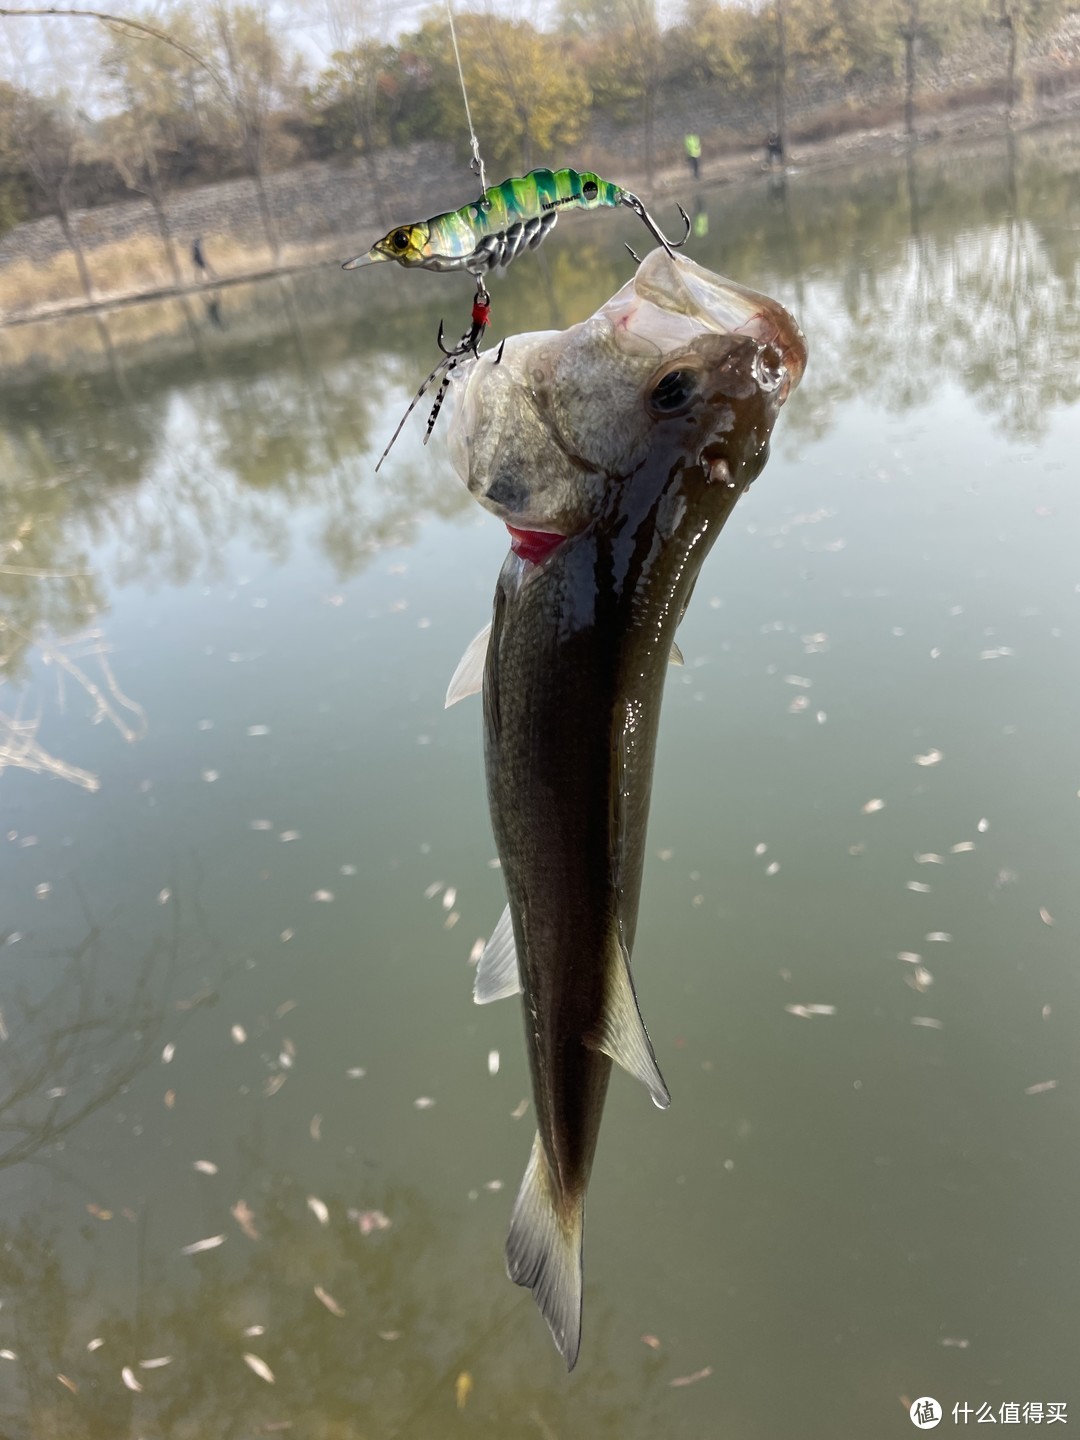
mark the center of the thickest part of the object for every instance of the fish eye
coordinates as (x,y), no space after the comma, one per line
(673,391)
(589,189)
(400,239)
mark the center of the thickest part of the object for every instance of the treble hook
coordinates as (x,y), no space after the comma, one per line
(650,224)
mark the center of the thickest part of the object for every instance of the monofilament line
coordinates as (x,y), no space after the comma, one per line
(477,161)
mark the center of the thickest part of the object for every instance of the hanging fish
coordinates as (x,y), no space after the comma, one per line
(505,221)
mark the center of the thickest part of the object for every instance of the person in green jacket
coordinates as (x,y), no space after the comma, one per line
(693,154)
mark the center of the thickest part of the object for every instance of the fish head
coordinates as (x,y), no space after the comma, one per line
(679,364)
(406,244)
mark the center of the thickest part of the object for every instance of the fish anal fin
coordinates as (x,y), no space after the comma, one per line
(622,1034)
(676,656)
(497,973)
(468,678)
(543,1252)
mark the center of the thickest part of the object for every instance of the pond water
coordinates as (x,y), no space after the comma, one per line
(245,856)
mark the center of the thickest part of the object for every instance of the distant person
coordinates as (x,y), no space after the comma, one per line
(198,259)
(693,154)
(774,149)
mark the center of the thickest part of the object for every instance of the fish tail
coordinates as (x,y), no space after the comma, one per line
(543,1252)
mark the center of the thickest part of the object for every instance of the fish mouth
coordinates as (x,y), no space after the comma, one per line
(369,259)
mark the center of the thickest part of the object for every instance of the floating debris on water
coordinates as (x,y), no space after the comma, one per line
(92,1345)
(872,806)
(168,1053)
(329,1301)
(204,1167)
(315,1127)
(323,897)
(244,1216)
(157,1363)
(423,1102)
(927,1023)
(260,1368)
(129,1379)
(198,1246)
(918,887)
(652,1342)
(939,937)
(1042,1085)
(477,950)
(319,1209)
(493,1062)
(1045,916)
(932,757)
(962,847)
(691,1379)
(519,1110)
(239,1034)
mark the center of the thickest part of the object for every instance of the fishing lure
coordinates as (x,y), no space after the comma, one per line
(505,221)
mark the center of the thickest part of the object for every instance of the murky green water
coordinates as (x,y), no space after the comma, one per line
(245,951)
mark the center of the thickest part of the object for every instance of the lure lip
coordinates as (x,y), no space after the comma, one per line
(369,259)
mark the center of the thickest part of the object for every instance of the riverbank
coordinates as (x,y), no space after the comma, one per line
(327,212)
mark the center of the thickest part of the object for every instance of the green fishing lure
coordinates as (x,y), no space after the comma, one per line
(505,221)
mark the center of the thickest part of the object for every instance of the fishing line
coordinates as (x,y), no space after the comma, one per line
(477,162)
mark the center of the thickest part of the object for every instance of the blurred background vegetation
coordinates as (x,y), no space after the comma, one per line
(116,113)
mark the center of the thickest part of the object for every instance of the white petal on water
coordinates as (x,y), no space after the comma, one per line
(128,1377)
(168,1053)
(348,870)
(244,1216)
(42,890)
(909,956)
(821,717)
(493,1062)
(156,1363)
(261,824)
(1046,1012)
(423,1102)
(519,1109)
(451,920)
(260,1368)
(929,858)
(962,847)
(255,1330)
(927,1022)
(956,1344)
(323,897)
(760,848)
(356,1073)
(204,1167)
(939,937)
(211,775)
(932,757)
(773,869)
(821,1009)
(69,1384)
(329,1301)
(872,806)
(258,729)
(198,1246)
(1043,1085)
(449,898)
(8,1355)
(918,887)
(800,1010)
(983,826)
(273,1083)
(95,1344)
(800,680)
(433,889)
(315,1127)
(493,1185)
(286,936)
(371,1220)
(664,854)
(1045,916)
(477,950)
(56,1093)
(205,725)
(164,896)
(287,835)
(318,1209)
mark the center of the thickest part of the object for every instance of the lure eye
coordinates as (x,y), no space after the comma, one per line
(673,392)
(400,239)
(589,189)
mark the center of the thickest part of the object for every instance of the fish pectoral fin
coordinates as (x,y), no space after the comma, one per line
(623,1036)
(497,973)
(543,1252)
(468,678)
(676,657)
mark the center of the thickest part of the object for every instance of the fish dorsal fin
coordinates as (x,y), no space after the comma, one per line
(623,1036)
(468,678)
(497,973)
(543,1252)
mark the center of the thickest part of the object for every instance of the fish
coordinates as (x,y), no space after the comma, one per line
(614,452)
